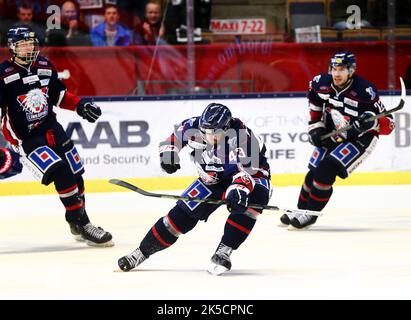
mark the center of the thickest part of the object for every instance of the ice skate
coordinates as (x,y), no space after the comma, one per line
(92,235)
(285,220)
(302,221)
(220,261)
(131,260)
(75,231)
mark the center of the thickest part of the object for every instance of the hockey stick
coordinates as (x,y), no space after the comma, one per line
(387,112)
(134,188)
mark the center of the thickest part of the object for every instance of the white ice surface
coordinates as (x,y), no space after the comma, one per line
(359,249)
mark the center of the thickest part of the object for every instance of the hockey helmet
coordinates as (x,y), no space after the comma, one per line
(23,43)
(345,59)
(214,121)
(215,117)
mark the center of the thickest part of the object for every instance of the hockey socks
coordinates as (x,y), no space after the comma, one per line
(321,186)
(305,191)
(68,191)
(237,229)
(166,231)
(158,238)
(319,196)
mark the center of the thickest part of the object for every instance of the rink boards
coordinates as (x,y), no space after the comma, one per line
(124,144)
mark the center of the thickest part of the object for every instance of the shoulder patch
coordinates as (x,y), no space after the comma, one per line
(371,92)
(317,78)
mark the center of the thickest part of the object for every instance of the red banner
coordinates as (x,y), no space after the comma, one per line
(226,68)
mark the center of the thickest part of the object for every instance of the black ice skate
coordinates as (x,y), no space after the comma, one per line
(220,261)
(75,231)
(92,235)
(302,221)
(131,260)
(285,220)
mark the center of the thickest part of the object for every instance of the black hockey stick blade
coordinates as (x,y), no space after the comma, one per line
(134,188)
(387,112)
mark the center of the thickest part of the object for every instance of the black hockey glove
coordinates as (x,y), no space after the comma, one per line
(169,161)
(314,136)
(89,111)
(10,164)
(237,199)
(361,125)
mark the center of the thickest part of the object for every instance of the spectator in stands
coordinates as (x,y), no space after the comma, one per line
(110,32)
(73,31)
(25,16)
(151,30)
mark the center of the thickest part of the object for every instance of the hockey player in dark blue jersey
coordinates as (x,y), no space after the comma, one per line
(337,99)
(29,90)
(231,164)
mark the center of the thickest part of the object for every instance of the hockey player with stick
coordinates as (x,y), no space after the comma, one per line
(231,164)
(29,89)
(336,100)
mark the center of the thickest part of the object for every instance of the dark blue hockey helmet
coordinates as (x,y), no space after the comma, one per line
(344,59)
(215,117)
(23,43)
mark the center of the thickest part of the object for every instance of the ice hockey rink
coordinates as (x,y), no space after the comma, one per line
(359,249)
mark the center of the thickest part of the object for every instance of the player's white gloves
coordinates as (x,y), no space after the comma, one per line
(89,111)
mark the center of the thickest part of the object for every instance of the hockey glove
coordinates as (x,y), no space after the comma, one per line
(314,136)
(237,199)
(169,161)
(10,164)
(89,111)
(237,193)
(361,125)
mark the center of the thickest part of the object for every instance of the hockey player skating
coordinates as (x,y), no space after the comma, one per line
(338,99)
(29,90)
(231,164)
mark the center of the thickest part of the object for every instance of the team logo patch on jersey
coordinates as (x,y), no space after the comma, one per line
(74,160)
(340,121)
(317,156)
(345,153)
(44,158)
(34,103)
(198,190)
